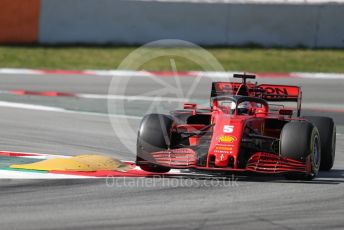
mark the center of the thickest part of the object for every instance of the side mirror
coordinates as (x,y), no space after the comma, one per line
(192,106)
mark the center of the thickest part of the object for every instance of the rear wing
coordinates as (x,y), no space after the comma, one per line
(268,92)
(279,92)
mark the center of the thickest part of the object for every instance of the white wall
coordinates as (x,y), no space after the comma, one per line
(139,22)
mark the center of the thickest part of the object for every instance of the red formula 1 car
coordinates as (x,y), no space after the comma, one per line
(241,131)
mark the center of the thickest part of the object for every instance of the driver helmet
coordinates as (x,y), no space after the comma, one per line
(244,108)
(228,107)
(232,106)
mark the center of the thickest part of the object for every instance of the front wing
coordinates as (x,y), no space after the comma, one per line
(259,162)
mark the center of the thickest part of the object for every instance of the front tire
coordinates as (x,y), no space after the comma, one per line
(327,131)
(154,135)
(300,140)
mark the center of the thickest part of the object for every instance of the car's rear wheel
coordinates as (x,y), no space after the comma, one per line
(300,140)
(154,135)
(327,131)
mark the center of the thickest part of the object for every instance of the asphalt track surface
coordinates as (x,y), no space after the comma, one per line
(240,202)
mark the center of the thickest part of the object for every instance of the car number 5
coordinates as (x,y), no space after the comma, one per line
(228,128)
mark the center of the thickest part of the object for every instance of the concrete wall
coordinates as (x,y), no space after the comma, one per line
(128,22)
(138,22)
(224,22)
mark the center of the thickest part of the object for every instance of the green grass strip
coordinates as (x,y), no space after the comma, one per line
(232,59)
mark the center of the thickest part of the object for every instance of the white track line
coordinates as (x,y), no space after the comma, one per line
(18,71)
(30,106)
(61,110)
(330,76)
(38,156)
(11,174)
(130,73)
(111,97)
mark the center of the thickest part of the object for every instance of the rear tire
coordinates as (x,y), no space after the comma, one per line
(327,131)
(154,135)
(300,140)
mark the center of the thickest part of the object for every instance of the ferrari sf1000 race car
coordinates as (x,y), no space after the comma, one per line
(241,131)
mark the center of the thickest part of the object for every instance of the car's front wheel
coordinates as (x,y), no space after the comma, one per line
(154,135)
(300,140)
(327,130)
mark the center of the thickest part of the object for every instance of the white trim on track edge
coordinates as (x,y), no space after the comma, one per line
(16,105)
(30,106)
(130,73)
(12,174)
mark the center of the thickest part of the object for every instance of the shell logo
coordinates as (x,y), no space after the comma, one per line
(227,139)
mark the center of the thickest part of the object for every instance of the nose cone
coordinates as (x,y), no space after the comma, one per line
(226,141)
